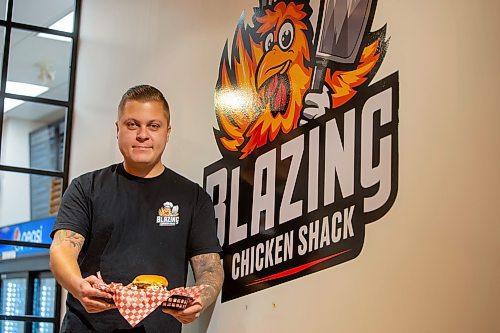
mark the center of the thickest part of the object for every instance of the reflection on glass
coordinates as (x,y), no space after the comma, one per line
(33,135)
(44,296)
(39,61)
(12,252)
(21,88)
(26,197)
(2,42)
(43,327)
(13,303)
(43,13)
(3,9)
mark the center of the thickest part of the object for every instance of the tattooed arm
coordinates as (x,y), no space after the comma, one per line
(64,253)
(208,271)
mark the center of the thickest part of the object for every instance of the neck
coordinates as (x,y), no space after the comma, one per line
(144,171)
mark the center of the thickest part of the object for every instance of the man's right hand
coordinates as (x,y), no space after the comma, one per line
(64,253)
(90,297)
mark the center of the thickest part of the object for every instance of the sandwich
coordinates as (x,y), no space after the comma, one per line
(149,281)
(156,282)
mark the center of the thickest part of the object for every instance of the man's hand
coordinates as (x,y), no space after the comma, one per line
(64,252)
(187,315)
(207,271)
(90,297)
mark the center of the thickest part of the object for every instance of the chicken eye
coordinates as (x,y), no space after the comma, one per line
(285,37)
(268,43)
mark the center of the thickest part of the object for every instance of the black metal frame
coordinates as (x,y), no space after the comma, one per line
(9,25)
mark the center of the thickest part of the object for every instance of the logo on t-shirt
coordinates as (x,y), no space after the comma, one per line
(168,215)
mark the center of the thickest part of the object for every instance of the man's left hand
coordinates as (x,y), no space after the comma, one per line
(187,315)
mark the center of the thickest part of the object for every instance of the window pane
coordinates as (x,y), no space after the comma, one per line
(43,327)
(38,66)
(13,296)
(10,326)
(27,197)
(42,13)
(44,296)
(3,9)
(33,135)
(2,44)
(13,302)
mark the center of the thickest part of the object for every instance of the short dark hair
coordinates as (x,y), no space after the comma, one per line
(144,93)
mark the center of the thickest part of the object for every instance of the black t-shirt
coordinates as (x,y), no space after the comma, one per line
(135,226)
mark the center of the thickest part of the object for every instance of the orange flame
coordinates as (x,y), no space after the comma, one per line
(248,79)
(164,211)
(235,121)
(344,82)
(245,116)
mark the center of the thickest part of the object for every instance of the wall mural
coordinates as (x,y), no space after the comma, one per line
(309,143)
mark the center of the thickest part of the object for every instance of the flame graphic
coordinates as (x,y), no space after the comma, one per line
(344,82)
(165,211)
(261,87)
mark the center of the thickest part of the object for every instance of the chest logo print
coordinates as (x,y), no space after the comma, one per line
(168,215)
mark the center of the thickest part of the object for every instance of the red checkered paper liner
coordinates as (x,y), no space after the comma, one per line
(136,304)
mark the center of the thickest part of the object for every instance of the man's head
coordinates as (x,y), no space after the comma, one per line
(143,130)
(144,93)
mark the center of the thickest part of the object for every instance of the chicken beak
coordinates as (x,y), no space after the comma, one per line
(272,63)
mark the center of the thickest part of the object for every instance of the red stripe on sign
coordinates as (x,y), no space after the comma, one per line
(296,270)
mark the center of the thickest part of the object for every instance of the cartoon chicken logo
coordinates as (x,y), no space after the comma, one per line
(168,209)
(277,79)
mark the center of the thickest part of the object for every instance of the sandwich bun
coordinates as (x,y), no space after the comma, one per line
(149,281)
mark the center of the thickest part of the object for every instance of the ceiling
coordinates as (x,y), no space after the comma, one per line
(38,60)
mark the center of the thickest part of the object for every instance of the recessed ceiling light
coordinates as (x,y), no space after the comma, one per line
(21,88)
(10,103)
(64,24)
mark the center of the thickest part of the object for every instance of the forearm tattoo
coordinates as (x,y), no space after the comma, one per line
(208,270)
(72,238)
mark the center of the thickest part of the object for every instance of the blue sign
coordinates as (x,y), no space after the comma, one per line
(37,231)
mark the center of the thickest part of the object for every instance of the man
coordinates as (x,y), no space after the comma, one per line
(136,217)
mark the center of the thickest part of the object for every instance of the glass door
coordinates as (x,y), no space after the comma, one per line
(44,295)
(14,288)
(28,302)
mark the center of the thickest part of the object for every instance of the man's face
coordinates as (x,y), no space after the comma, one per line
(142,131)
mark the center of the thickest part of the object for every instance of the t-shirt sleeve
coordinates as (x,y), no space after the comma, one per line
(74,211)
(203,234)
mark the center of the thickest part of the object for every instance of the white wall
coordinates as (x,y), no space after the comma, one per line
(431,263)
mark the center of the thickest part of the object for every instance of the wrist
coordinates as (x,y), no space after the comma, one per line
(77,287)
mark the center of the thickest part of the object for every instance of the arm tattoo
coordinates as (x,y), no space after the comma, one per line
(208,270)
(75,240)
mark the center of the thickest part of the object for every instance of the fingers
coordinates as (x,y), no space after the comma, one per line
(89,297)
(187,315)
(192,309)
(92,279)
(93,299)
(87,289)
(94,293)
(315,104)
(311,112)
(184,319)
(93,305)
